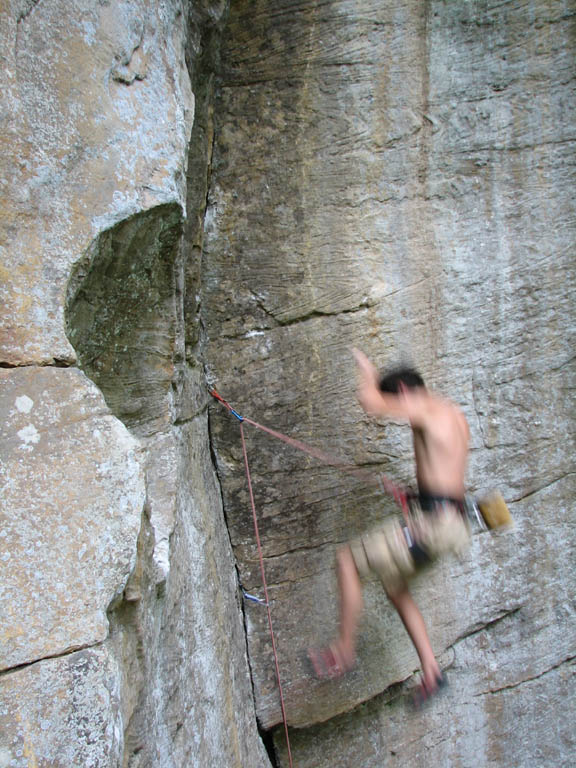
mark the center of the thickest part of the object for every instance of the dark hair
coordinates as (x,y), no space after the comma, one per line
(390,382)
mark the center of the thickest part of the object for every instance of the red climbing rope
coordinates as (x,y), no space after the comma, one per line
(262,570)
(265,587)
(399,494)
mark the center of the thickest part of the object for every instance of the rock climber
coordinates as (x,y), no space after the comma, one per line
(435,525)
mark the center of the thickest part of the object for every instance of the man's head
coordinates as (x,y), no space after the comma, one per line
(400,378)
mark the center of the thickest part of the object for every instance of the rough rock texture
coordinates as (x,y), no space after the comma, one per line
(70,520)
(399,177)
(75,159)
(63,711)
(122,640)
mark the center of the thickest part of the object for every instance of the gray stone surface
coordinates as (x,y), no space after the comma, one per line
(73,495)
(396,177)
(122,633)
(97,116)
(511,670)
(62,712)
(178,633)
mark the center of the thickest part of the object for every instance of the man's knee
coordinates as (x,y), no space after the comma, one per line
(397,593)
(345,561)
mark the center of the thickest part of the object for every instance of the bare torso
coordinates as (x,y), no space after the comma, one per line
(441,448)
(439,428)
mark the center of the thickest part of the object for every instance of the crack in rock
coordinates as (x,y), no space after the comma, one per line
(542,487)
(27,11)
(480,626)
(62,655)
(510,686)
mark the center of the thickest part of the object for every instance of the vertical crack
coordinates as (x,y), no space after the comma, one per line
(266,736)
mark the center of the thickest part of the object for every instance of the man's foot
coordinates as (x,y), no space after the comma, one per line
(427,690)
(329,663)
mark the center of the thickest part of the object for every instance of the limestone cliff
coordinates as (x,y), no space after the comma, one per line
(399,177)
(193,193)
(122,641)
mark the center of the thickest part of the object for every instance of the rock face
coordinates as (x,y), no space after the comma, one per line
(72,519)
(395,176)
(79,160)
(122,639)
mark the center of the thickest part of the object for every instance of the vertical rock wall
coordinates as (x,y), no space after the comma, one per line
(396,176)
(121,635)
(399,176)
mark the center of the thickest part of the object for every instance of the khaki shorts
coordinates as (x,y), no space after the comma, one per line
(386,550)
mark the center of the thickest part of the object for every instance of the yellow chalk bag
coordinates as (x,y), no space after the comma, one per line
(494,511)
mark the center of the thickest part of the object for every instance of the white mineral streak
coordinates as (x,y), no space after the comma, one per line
(28,434)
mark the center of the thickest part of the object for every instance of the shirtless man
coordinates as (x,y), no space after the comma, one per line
(438,526)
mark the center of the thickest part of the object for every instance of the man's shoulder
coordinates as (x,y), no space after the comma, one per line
(441,409)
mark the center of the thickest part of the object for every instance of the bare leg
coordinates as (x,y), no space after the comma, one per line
(351,606)
(336,659)
(416,628)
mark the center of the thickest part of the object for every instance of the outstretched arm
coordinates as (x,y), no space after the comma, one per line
(372,399)
(369,395)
